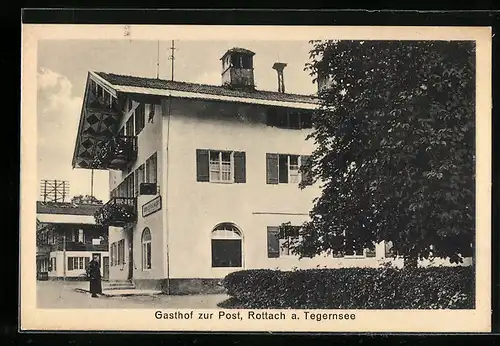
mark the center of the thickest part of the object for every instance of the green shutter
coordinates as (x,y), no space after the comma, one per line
(272,168)
(305,170)
(70,263)
(239,167)
(273,244)
(202,171)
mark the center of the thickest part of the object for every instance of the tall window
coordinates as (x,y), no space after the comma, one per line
(220,166)
(278,244)
(139,178)
(129,104)
(151,169)
(226,246)
(53,264)
(140,118)
(284,168)
(146,249)
(121,251)
(80,236)
(129,126)
(113,254)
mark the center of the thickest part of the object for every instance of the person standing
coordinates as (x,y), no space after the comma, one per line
(94,275)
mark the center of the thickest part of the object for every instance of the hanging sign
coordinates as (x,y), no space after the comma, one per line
(151,207)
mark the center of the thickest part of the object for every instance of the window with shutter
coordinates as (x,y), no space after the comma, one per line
(239,167)
(87,261)
(272,168)
(273,246)
(202,165)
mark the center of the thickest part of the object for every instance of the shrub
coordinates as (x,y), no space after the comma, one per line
(352,288)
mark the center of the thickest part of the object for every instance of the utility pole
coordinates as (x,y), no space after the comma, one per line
(172,57)
(158,61)
(92,183)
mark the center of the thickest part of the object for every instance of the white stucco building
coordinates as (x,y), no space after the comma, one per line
(67,240)
(208,174)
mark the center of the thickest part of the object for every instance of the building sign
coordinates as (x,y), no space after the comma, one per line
(151,207)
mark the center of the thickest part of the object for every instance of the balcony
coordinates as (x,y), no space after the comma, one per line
(102,103)
(77,246)
(116,153)
(117,212)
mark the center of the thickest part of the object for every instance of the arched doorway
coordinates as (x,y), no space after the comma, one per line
(227,246)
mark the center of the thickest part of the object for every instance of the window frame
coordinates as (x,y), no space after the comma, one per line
(148,170)
(281,241)
(220,164)
(226,232)
(146,250)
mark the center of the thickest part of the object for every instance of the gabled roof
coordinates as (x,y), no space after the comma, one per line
(161,84)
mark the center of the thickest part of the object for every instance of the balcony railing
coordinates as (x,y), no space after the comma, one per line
(99,103)
(77,246)
(117,212)
(116,153)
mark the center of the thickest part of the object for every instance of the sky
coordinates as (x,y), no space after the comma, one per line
(62,71)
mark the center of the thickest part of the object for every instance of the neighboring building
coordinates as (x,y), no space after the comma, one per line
(201,176)
(67,238)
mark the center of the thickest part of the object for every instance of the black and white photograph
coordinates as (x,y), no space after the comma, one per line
(256,179)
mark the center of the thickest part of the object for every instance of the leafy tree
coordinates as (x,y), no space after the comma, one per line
(394,134)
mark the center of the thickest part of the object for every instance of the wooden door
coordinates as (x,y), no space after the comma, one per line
(105,268)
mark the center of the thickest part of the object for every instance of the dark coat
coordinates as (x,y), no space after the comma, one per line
(94,276)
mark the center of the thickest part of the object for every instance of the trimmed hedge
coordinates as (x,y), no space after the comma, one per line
(351,288)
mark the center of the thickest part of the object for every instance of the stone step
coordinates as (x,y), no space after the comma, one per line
(118,285)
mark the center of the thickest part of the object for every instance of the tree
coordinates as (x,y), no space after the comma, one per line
(395,137)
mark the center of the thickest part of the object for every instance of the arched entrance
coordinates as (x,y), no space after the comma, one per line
(227,246)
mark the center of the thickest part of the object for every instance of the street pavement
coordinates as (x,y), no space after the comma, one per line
(62,295)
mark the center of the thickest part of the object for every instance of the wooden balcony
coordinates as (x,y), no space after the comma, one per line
(102,103)
(116,153)
(117,212)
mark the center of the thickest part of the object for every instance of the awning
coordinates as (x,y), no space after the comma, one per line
(63,218)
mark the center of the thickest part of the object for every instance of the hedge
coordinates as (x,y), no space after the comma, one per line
(351,288)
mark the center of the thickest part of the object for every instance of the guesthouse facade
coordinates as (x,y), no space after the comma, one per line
(201,176)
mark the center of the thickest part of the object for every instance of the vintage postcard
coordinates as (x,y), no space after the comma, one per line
(218,178)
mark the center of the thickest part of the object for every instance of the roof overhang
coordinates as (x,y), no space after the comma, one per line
(66,219)
(202,96)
